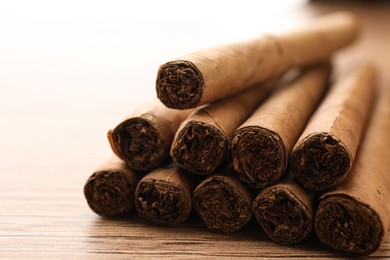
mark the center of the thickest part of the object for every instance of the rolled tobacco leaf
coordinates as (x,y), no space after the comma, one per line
(110,189)
(201,143)
(354,217)
(208,75)
(165,195)
(325,152)
(285,212)
(144,138)
(223,202)
(260,147)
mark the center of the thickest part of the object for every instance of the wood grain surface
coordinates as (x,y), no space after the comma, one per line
(66,78)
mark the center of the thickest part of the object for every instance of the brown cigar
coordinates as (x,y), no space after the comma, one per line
(355,216)
(260,147)
(110,189)
(200,145)
(325,151)
(165,195)
(223,203)
(143,139)
(208,75)
(285,212)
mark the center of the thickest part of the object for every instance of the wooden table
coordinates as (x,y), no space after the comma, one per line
(70,72)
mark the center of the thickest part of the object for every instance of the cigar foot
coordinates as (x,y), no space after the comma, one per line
(108,193)
(161,201)
(179,84)
(199,148)
(223,203)
(348,225)
(282,215)
(259,156)
(320,161)
(139,144)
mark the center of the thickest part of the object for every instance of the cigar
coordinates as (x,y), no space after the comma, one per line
(110,189)
(261,145)
(223,203)
(285,212)
(143,139)
(201,143)
(211,74)
(354,217)
(165,195)
(325,151)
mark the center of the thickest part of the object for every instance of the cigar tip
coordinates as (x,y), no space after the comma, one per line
(320,161)
(223,203)
(259,156)
(282,215)
(345,224)
(138,143)
(179,84)
(199,147)
(108,193)
(162,201)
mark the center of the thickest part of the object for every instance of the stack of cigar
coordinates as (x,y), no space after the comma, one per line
(258,128)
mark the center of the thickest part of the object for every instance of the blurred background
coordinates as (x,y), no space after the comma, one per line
(70,70)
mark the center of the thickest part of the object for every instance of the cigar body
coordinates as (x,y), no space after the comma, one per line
(223,202)
(325,151)
(354,217)
(110,189)
(165,195)
(285,212)
(260,147)
(143,139)
(208,75)
(201,142)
